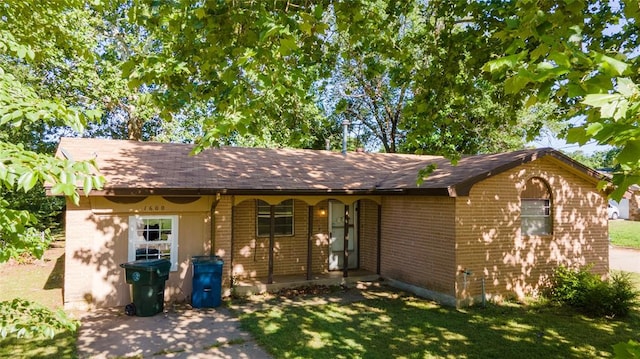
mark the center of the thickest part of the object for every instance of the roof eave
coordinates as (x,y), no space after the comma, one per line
(464,187)
(115,192)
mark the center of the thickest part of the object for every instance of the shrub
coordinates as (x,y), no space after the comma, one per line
(630,349)
(24,246)
(22,318)
(588,293)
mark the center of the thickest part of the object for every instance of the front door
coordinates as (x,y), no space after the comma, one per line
(337,214)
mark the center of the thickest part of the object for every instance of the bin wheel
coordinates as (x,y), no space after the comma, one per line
(130,309)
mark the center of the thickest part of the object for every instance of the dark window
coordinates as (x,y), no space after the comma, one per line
(535,202)
(283,218)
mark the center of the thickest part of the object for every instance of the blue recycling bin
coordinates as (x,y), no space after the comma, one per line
(207,281)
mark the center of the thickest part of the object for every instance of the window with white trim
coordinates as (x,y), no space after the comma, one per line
(535,215)
(283,218)
(154,237)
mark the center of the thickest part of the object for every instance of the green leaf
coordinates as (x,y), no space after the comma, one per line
(540,51)
(22,52)
(516,83)
(610,65)
(629,156)
(425,172)
(506,62)
(631,11)
(287,45)
(273,29)
(575,90)
(27,181)
(628,350)
(87,185)
(577,135)
(341,106)
(626,87)
(593,128)
(560,58)
(611,106)
(598,100)
(200,13)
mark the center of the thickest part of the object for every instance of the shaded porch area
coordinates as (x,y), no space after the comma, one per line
(260,285)
(278,242)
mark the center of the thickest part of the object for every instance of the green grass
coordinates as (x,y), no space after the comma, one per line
(409,327)
(625,233)
(40,282)
(63,345)
(635,279)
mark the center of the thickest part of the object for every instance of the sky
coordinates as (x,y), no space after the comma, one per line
(562,145)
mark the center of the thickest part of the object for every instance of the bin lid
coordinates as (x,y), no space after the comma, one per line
(149,265)
(206,259)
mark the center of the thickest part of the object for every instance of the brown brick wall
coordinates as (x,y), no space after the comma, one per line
(368,228)
(418,241)
(320,239)
(490,245)
(251,253)
(634,206)
(222,245)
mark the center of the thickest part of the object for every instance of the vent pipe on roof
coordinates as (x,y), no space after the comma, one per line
(345,132)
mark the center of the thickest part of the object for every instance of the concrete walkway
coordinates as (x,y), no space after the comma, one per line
(624,259)
(192,333)
(179,333)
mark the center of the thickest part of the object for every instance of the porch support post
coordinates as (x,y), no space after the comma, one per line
(345,264)
(309,242)
(272,235)
(358,231)
(379,240)
(233,240)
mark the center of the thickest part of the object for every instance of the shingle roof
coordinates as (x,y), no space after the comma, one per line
(142,168)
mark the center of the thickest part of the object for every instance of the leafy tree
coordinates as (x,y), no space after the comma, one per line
(408,72)
(252,63)
(377,60)
(581,55)
(598,160)
(38,41)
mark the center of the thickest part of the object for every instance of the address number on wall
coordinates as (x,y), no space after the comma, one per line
(153,208)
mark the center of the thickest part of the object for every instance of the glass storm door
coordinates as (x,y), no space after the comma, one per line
(336,236)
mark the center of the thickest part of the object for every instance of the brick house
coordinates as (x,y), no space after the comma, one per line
(493,225)
(633,195)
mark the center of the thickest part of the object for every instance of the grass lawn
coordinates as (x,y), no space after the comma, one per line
(409,327)
(625,233)
(399,327)
(40,282)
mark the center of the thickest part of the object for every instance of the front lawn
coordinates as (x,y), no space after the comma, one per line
(39,282)
(409,327)
(625,233)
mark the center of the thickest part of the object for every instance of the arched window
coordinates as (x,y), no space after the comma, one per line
(535,201)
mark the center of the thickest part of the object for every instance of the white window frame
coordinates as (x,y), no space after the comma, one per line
(544,216)
(136,237)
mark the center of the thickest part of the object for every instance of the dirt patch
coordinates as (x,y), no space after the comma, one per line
(39,280)
(315,295)
(306,290)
